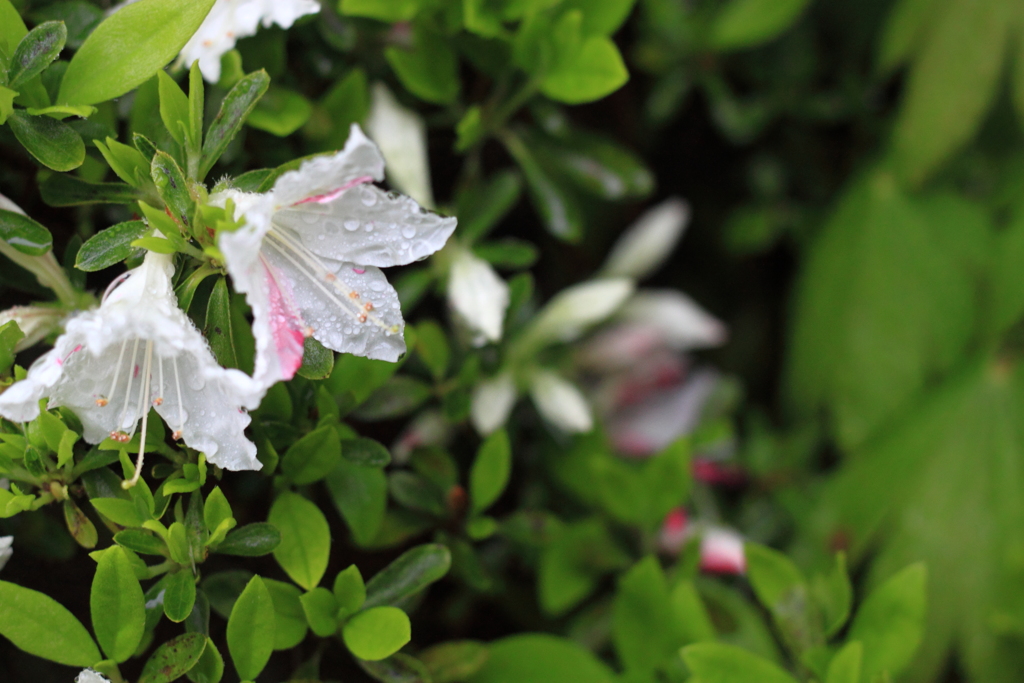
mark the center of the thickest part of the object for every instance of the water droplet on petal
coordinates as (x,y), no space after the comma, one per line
(408,232)
(368,197)
(369,227)
(377,286)
(351,225)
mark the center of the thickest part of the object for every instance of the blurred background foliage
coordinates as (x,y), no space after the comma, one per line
(856,178)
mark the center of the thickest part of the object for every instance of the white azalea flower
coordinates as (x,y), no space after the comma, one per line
(5,549)
(138,350)
(680,322)
(478,295)
(648,243)
(492,403)
(90,676)
(309,253)
(560,402)
(402,137)
(722,552)
(230,20)
(575,309)
(35,322)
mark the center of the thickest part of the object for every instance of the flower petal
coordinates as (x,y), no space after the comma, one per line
(561,403)
(576,308)
(721,551)
(6,551)
(478,295)
(678,319)
(90,676)
(402,137)
(493,400)
(368,226)
(324,175)
(646,244)
(20,401)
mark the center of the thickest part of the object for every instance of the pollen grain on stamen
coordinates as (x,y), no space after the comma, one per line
(362,318)
(120,437)
(158,401)
(102,402)
(331,277)
(353,295)
(368,307)
(176,435)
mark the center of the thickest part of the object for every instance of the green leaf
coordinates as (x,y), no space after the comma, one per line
(383,10)
(321,610)
(210,667)
(596,164)
(236,107)
(595,71)
(173,189)
(129,47)
(250,632)
(174,659)
(140,541)
(117,605)
(179,595)
(6,103)
(430,70)
(317,360)
(645,630)
(366,452)
(890,623)
(573,562)
(602,17)
(360,493)
(63,111)
(305,539)
(432,347)
(558,209)
(110,246)
(481,208)
(349,591)
(904,29)
(291,619)
(218,324)
(746,23)
(455,660)
(857,349)
(35,52)
(413,571)
(12,28)
(65,190)
(541,658)
(782,589)
(38,624)
(251,540)
(846,664)
(490,472)
(118,510)
(174,107)
(280,112)
(834,595)
(952,85)
(400,396)
(721,663)
(216,509)
(53,143)
(377,633)
(312,457)
(79,526)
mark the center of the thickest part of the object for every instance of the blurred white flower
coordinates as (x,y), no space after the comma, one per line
(428,429)
(90,676)
(308,256)
(5,549)
(721,551)
(648,243)
(136,351)
(560,402)
(662,416)
(35,322)
(577,308)
(492,403)
(230,20)
(478,295)
(402,137)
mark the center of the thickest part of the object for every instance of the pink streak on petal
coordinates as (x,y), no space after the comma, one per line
(331,196)
(286,326)
(359,271)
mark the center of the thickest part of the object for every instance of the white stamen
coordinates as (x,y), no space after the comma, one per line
(181,406)
(117,371)
(145,419)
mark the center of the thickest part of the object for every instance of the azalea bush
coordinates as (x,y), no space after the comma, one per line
(370,340)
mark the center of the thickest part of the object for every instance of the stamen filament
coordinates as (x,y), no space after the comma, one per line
(181,407)
(145,420)
(128,389)
(113,385)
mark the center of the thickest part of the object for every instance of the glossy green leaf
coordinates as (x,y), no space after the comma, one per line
(558,209)
(129,47)
(24,234)
(117,605)
(140,541)
(219,330)
(39,625)
(65,190)
(491,470)
(321,609)
(366,452)
(174,107)
(846,664)
(291,618)
(360,494)
(250,633)
(280,112)
(173,189)
(541,658)
(110,246)
(317,360)
(746,23)
(312,457)
(455,660)
(12,28)
(430,70)
(377,633)
(179,595)
(53,143)
(216,509)
(305,539)
(174,659)
(349,591)
(595,71)
(413,571)
(210,667)
(890,623)
(35,52)
(251,540)
(236,107)
(721,663)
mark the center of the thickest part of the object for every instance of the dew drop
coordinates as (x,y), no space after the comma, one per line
(321,236)
(368,197)
(408,232)
(351,225)
(377,286)
(406,245)
(368,227)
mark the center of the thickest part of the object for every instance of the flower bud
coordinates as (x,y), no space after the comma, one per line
(402,138)
(493,400)
(561,403)
(677,319)
(575,309)
(478,295)
(646,244)
(5,549)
